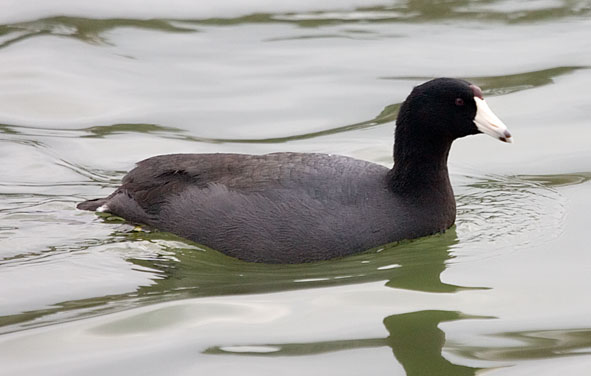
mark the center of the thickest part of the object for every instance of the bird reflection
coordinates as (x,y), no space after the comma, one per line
(412,265)
(414,337)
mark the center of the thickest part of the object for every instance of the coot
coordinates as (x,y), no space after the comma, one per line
(294,207)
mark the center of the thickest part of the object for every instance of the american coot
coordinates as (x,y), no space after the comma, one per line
(293,207)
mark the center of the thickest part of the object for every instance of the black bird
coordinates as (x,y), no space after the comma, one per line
(296,207)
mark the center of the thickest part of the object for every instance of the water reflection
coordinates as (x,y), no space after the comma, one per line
(510,83)
(85,29)
(388,114)
(91,30)
(534,344)
(492,85)
(559,180)
(187,272)
(414,265)
(417,344)
(415,339)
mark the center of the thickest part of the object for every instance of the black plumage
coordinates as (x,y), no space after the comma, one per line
(295,207)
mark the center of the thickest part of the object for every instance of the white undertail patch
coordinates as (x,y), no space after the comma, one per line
(102,208)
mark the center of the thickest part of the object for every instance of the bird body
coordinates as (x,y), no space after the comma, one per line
(302,207)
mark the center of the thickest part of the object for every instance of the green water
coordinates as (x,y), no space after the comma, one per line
(87,89)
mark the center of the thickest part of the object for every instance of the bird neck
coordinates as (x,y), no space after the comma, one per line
(420,166)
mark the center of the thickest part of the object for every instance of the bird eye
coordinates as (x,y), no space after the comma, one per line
(459,102)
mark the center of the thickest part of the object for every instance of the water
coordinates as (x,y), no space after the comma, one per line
(87,89)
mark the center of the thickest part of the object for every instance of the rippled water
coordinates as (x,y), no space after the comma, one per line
(87,89)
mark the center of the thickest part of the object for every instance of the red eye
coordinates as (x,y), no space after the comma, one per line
(459,102)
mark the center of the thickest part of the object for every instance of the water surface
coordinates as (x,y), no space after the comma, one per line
(88,89)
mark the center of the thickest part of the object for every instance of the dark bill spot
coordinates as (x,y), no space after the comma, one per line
(477,91)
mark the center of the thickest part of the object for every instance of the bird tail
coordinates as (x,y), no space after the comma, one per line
(91,205)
